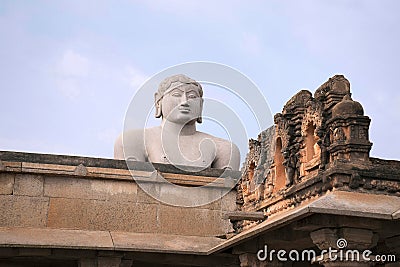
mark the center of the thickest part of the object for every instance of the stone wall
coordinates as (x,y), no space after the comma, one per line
(64,192)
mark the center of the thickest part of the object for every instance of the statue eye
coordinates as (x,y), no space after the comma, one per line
(192,96)
(177,94)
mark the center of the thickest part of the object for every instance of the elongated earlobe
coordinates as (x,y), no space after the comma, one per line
(200,119)
(157,102)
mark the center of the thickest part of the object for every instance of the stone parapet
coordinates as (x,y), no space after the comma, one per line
(67,192)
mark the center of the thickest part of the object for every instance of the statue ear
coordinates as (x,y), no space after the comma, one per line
(157,102)
(200,119)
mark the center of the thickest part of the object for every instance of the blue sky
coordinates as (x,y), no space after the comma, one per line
(68,69)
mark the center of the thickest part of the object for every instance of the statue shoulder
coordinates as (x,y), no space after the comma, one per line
(130,144)
(224,147)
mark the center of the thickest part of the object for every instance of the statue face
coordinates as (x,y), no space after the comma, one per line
(182,104)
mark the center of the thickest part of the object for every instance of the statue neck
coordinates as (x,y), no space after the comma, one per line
(179,129)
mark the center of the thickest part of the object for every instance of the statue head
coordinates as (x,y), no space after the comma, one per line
(182,87)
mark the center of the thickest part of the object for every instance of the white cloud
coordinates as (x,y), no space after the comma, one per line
(73,64)
(77,75)
(71,70)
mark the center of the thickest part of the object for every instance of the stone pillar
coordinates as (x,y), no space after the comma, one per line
(348,247)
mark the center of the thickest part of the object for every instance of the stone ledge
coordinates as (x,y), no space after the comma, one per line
(13,156)
(105,240)
(164,243)
(357,204)
(332,203)
(96,168)
(55,238)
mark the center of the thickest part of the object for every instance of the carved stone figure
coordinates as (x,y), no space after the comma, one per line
(316,148)
(338,135)
(290,168)
(176,141)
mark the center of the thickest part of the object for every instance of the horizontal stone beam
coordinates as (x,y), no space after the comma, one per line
(241,215)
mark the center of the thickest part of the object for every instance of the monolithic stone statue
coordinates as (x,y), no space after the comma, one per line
(176,141)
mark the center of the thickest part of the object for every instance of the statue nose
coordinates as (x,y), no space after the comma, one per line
(184,101)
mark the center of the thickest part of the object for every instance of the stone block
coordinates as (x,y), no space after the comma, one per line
(6,183)
(192,221)
(28,185)
(23,211)
(228,202)
(200,197)
(215,205)
(99,189)
(148,193)
(102,215)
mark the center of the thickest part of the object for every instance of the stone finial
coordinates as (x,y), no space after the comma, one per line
(337,84)
(340,84)
(347,107)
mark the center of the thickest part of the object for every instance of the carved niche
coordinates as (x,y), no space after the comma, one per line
(310,154)
(283,165)
(247,182)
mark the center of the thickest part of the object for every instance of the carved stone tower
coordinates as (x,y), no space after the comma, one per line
(311,134)
(348,129)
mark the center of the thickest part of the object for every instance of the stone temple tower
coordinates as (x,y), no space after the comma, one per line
(348,129)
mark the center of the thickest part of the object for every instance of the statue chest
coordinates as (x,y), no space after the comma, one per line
(189,151)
